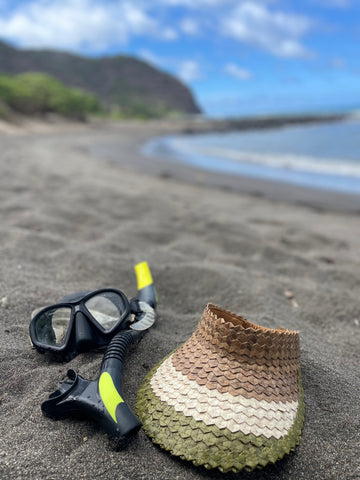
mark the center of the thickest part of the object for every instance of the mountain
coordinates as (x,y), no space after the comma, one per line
(119,80)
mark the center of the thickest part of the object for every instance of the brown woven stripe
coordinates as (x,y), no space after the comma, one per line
(226,377)
(265,368)
(230,334)
(194,349)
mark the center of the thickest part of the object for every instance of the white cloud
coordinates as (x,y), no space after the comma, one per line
(238,72)
(79,24)
(189,70)
(186,70)
(96,26)
(338,63)
(189,26)
(274,31)
(150,57)
(169,34)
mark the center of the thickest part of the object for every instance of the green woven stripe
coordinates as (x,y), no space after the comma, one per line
(208,445)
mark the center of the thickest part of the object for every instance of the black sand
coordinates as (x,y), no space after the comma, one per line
(72,221)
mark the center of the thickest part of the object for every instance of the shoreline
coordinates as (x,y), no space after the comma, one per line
(163,166)
(50,123)
(132,136)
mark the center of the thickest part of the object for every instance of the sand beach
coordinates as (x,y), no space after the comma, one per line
(80,205)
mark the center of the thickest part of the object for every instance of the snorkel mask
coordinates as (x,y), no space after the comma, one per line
(89,320)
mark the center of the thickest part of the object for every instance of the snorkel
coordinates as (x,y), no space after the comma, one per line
(102,399)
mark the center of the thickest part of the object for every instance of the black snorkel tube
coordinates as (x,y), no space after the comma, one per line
(102,399)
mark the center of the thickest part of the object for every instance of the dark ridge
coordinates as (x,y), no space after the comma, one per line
(117,80)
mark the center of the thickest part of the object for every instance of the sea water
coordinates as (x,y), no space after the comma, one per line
(323,155)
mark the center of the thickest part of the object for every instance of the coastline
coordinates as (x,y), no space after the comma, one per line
(116,142)
(71,221)
(163,166)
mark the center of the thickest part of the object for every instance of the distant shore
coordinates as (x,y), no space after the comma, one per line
(203,124)
(162,165)
(104,143)
(188,125)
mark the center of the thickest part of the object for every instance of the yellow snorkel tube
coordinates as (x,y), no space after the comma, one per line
(145,284)
(147,298)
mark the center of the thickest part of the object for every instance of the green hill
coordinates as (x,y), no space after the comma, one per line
(126,83)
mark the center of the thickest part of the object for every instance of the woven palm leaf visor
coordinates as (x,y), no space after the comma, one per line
(229,398)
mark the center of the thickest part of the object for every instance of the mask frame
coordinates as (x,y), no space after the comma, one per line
(84,332)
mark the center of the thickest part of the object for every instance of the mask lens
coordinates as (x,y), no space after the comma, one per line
(52,326)
(107,308)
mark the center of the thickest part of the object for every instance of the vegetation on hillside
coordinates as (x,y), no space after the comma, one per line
(133,107)
(39,93)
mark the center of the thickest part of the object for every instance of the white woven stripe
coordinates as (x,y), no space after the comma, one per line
(271,419)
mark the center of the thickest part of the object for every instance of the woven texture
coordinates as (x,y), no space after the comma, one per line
(229,398)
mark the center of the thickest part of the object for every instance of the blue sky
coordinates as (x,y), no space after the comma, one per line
(239,57)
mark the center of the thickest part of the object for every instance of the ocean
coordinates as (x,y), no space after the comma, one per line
(322,156)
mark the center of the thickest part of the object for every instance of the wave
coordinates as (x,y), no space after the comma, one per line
(332,174)
(294,162)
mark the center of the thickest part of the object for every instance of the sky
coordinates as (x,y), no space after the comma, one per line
(239,57)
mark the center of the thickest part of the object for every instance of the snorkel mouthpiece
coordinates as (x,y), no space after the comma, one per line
(102,399)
